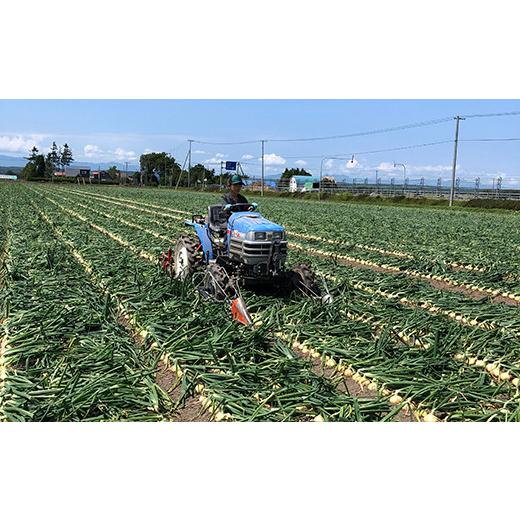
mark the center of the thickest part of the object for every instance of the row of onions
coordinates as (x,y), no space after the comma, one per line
(455,280)
(67,357)
(494,335)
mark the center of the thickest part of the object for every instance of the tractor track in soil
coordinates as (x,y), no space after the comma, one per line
(437,284)
(192,409)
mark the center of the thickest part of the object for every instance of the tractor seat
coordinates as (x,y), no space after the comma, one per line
(217,219)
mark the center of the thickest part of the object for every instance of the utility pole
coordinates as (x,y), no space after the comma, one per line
(126,171)
(262,181)
(321,177)
(189,163)
(221,173)
(404,175)
(454,169)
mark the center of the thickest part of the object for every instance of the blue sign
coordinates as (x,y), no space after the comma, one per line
(231,165)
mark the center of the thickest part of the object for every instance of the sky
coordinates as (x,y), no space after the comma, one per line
(118,131)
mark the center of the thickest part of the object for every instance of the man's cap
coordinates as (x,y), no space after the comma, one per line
(236,179)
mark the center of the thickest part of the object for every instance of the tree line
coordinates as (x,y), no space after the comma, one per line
(155,168)
(41,167)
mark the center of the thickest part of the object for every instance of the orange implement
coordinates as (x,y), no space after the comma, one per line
(240,312)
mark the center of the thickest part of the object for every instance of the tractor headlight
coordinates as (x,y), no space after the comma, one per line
(278,234)
(260,235)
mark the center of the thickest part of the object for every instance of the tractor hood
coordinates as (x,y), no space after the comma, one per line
(246,221)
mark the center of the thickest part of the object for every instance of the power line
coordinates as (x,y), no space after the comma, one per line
(491,139)
(368,132)
(227,143)
(496,114)
(349,154)
(357,134)
(323,138)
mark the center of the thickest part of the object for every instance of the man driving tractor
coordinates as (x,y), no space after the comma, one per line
(233,196)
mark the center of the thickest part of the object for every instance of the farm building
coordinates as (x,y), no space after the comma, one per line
(5,177)
(303,183)
(100,175)
(73,173)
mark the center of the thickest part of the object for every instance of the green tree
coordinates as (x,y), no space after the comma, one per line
(35,167)
(29,170)
(113,173)
(40,166)
(50,167)
(66,158)
(54,156)
(290,172)
(34,154)
(160,162)
(201,175)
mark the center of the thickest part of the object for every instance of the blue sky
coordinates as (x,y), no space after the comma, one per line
(115,131)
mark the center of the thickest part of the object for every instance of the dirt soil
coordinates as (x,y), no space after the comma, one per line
(348,385)
(192,410)
(443,286)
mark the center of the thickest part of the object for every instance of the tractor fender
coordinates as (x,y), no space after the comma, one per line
(207,247)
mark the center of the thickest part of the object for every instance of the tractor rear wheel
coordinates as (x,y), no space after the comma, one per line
(217,283)
(186,256)
(304,280)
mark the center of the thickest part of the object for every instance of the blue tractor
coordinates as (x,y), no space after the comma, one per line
(235,246)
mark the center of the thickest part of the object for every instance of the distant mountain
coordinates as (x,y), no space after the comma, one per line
(8,160)
(14,169)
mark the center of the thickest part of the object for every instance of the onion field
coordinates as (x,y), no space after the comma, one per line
(424,326)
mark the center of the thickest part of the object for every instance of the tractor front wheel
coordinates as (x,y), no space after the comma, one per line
(303,279)
(186,256)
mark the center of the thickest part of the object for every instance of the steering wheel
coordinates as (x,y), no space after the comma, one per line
(232,208)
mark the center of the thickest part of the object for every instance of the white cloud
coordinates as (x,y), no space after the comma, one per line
(247,157)
(220,155)
(438,168)
(272,159)
(91,150)
(199,152)
(328,164)
(300,162)
(385,166)
(214,160)
(13,144)
(122,155)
